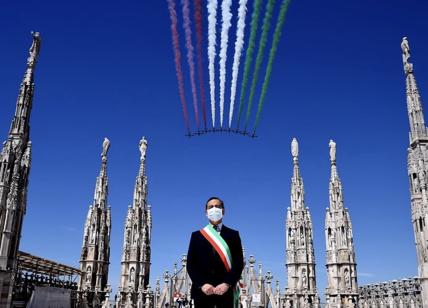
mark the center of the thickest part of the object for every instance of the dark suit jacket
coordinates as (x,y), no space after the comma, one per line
(205,266)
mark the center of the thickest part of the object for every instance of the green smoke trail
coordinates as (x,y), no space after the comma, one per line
(272,53)
(249,56)
(260,53)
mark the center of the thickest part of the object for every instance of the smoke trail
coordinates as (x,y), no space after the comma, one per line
(212,20)
(272,53)
(249,56)
(198,22)
(190,61)
(260,54)
(226,18)
(239,44)
(177,58)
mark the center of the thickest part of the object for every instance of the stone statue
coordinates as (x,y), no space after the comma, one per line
(34,49)
(304,279)
(88,274)
(106,146)
(408,67)
(332,146)
(406,50)
(344,237)
(347,278)
(302,239)
(132,275)
(93,234)
(128,237)
(143,147)
(294,148)
(292,241)
(332,240)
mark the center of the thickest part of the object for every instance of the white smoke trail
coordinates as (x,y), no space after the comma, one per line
(226,18)
(239,45)
(212,20)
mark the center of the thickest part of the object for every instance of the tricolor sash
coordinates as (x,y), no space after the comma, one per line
(223,250)
(219,244)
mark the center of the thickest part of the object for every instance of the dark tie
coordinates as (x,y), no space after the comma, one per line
(217,228)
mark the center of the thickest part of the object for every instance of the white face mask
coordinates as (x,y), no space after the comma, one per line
(214,214)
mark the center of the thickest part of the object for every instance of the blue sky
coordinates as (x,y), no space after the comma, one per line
(106,69)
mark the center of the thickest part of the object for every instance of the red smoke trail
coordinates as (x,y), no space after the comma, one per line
(199,35)
(177,58)
(190,61)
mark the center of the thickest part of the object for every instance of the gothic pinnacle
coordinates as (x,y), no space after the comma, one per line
(417,168)
(135,267)
(101,188)
(300,264)
(341,267)
(96,239)
(418,130)
(143,150)
(33,55)
(20,123)
(332,146)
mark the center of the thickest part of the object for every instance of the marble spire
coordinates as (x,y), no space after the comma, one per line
(418,129)
(417,166)
(15,161)
(20,126)
(342,287)
(301,290)
(135,265)
(95,257)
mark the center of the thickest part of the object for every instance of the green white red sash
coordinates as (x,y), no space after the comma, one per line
(219,245)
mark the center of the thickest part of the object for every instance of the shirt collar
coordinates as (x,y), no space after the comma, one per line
(219,226)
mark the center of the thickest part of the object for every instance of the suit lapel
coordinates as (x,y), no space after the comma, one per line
(224,233)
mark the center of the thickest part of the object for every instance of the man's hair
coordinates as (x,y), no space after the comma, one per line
(214,198)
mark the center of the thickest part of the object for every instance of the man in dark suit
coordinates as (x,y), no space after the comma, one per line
(215,261)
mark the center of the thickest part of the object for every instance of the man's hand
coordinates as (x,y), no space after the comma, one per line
(207,289)
(221,289)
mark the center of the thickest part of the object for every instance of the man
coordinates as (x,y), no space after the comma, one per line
(215,261)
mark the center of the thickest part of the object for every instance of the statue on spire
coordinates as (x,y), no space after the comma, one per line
(332,146)
(294,148)
(408,67)
(143,148)
(106,146)
(34,49)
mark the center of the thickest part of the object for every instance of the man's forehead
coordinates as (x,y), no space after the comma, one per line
(214,201)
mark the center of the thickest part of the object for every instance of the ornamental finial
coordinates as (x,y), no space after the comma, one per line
(294,148)
(143,147)
(34,49)
(332,146)
(106,146)
(405,48)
